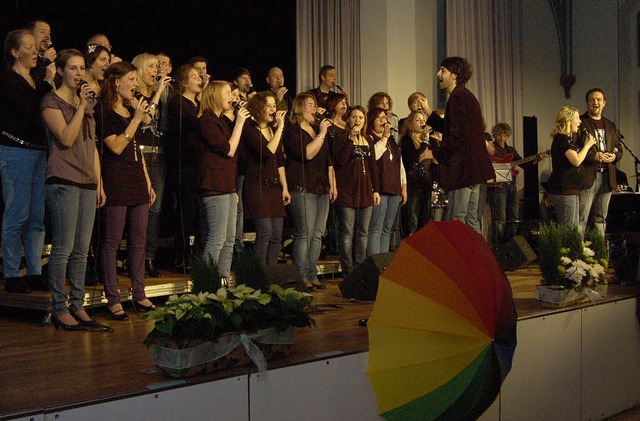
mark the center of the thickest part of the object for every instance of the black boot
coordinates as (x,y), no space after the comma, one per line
(37,282)
(150,271)
(18,285)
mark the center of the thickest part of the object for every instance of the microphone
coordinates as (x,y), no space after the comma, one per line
(236,106)
(92,94)
(250,88)
(338,86)
(138,95)
(45,60)
(620,135)
(160,76)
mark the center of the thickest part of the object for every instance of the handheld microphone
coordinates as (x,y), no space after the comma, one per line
(160,76)
(45,60)
(138,95)
(338,86)
(92,94)
(250,88)
(236,106)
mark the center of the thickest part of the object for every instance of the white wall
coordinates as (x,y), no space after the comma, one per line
(398,49)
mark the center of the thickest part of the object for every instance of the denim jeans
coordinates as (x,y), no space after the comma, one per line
(463,205)
(416,212)
(157,169)
(72,211)
(221,214)
(113,222)
(383,217)
(22,173)
(567,208)
(504,203)
(353,223)
(268,238)
(238,244)
(595,201)
(309,212)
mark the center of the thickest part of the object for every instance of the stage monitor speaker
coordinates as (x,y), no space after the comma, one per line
(362,283)
(624,213)
(287,276)
(515,254)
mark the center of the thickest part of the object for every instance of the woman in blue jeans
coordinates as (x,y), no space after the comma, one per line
(72,180)
(567,173)
(391,179)
(311,182)
(217,177)
(357,184)
(23,150)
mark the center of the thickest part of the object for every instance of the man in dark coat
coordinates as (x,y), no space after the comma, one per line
(462,155)
(599,164)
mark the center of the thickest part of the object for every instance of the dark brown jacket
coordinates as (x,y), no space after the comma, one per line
(613,144)
(217,170)
(462,155)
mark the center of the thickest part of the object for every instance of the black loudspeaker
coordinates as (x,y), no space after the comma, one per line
(286,276)
(624,213)
(515,254)
(362,283)
(531,190)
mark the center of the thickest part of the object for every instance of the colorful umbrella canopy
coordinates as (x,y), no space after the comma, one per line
(443,328)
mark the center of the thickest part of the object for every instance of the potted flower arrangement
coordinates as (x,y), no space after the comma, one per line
(202,332)
(572,268)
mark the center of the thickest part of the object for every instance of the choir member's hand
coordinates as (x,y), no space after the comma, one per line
(590,141)
(281,92)
(333,193)
(403,195)
(86,93)
(286,197)
(607,157)
(152,195)
(427,154)
(387,130)
(343,91)
(321,111)
(50,54)
(115,59)
(424,104)
(376,199)
(141,110)
(355,131)
(280,117)
(324,127)
(50,73)
(205,80)
(162,83)
(242,116)
(101,198)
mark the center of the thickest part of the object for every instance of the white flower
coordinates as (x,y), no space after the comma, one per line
(565,260)
(588,252)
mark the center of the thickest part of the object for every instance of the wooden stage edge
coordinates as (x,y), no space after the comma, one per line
(47,370)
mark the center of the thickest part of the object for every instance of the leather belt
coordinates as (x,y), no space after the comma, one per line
(151,149)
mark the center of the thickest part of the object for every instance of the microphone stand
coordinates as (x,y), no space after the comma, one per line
(636,162)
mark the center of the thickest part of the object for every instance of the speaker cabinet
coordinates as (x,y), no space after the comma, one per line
(362,283)
(515,254)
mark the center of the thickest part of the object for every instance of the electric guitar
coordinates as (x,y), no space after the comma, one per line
(507,159)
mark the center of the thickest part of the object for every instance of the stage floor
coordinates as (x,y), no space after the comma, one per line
(45,370)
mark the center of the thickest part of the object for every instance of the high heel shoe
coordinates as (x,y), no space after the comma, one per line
(57,323)
(141,308)
(91,324)
(119,314)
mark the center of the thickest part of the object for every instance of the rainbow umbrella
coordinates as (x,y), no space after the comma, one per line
(443,328)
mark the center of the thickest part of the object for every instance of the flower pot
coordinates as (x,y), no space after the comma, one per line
(200,356)
(554,297)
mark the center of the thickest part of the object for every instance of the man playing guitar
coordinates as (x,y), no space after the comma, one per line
(503,195)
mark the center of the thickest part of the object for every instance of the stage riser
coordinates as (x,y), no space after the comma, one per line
(599,345)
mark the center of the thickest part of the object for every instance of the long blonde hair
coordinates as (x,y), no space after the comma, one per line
(141,61)
(563,120)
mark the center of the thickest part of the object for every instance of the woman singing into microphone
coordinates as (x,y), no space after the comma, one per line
(312,183)
(151,89)
(126,184)
(357,183)
(265,192)
(98,60)
(391,179)
(217,177)
(73,187)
